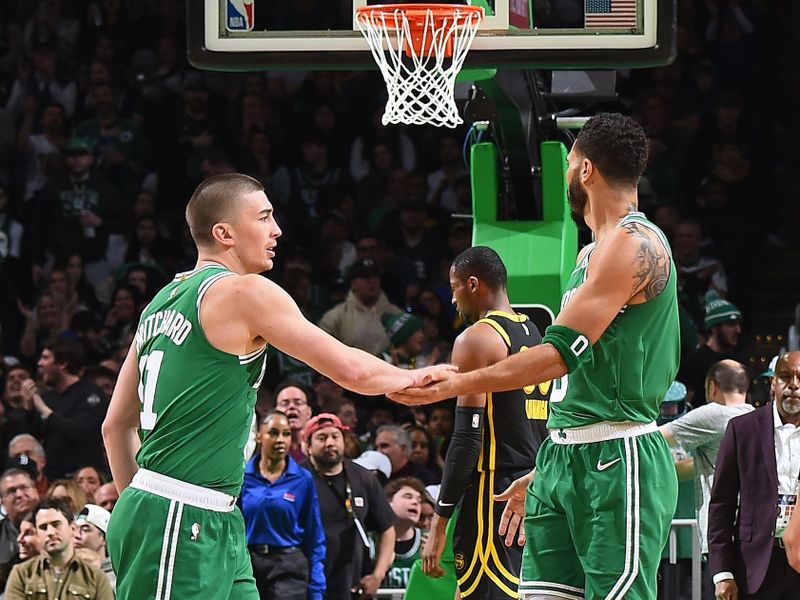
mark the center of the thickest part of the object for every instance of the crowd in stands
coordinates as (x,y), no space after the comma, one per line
(105,130)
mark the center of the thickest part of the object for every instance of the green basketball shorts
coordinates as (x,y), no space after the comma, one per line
(598,513)
(173,540)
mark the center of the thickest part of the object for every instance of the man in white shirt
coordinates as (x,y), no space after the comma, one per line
(755,491)
(700,430)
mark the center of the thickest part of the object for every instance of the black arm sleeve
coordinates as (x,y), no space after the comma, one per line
(462,456)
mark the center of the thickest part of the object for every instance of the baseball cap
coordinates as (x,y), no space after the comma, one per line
(96,515)
(770,372)
(80,145)
(364,268)
(25,463)
(676,392)
(674,403)
(321,421)
(9,360)
(372,460)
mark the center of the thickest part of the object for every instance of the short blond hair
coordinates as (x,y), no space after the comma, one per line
(214,200)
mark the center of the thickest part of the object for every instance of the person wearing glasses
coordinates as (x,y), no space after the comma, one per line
(293,399)
(19,497)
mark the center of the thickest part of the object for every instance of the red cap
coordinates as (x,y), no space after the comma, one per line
(321,421)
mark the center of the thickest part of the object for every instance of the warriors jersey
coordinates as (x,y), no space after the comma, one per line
(196,401)
(632,364)
(515,420)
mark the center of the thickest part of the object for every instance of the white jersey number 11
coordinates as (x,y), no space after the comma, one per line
(149,367)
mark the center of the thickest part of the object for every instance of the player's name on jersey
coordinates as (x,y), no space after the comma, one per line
(169,323)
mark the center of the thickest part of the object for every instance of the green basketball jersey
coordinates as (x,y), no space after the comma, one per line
(632,364)
(197,401)
(400,571)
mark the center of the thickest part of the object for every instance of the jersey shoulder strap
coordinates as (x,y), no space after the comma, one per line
(495,318)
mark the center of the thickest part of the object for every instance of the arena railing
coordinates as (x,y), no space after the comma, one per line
(672,544)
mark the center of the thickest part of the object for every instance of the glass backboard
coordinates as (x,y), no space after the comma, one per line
(322,34)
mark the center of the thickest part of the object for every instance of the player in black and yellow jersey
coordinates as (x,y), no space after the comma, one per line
(493,442)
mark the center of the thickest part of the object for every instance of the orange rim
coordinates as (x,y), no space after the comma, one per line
(417,13)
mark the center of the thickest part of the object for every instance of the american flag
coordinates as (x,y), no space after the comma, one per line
(610,13)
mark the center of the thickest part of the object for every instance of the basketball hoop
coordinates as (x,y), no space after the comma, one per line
(420,48)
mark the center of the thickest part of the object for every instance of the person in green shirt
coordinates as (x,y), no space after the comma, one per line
(598,513)
(179,420)
(405,497)
(119,143)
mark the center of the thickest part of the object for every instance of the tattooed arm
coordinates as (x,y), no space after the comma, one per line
(630,266)
(651,263)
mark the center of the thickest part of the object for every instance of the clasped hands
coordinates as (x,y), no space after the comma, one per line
(430,384)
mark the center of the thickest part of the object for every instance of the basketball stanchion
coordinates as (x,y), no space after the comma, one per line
(420,49)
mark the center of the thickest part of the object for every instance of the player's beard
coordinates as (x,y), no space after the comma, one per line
(578,199)
(328,461)
(791,404)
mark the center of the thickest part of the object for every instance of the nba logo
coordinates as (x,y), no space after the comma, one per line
(240,15)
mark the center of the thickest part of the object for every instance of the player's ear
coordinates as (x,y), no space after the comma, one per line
(587,169)
(472,283)
(222,233)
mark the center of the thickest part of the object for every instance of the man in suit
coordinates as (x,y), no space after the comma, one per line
(757,469)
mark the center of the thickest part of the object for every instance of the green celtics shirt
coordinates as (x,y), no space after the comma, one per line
(196,401)
(632,364)
(405,554)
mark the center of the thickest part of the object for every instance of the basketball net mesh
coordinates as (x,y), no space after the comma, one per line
(419,58)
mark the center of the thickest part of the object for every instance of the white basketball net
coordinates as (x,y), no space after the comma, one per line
(420,81)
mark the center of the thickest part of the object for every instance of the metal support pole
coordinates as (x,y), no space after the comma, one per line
(696,566)
(673,546)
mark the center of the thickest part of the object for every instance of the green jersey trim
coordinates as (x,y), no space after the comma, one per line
(184,275)
(414,547)
(201,292)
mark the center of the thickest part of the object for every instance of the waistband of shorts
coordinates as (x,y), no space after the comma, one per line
(180,491)
(601,432)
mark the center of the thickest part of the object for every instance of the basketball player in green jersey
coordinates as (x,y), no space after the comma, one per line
(495,438)
(179,417)
(598,513)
